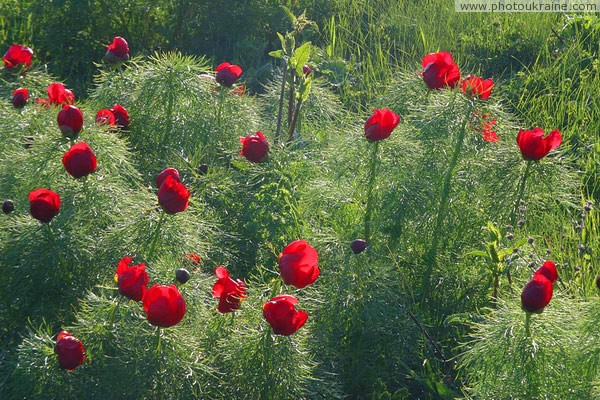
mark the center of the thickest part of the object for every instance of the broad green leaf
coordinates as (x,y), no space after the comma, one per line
(301,55)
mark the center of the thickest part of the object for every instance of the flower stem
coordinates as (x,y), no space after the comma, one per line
(371,184)
(444,199)
(527,324)
(220,106)
(281,97)
(158,344)
(521,191)
(114,312)
(294,121)
(156,234)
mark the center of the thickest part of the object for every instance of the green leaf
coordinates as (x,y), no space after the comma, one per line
(477,253)
(276,54)
(289,14)
(282,40)
(301,55)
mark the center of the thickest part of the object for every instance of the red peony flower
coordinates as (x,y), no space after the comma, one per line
(20,97)
(42,102)
(58,94)
(163,175)
(380,125)
(475,86)
(489,135)
(193,258)
(230,292)
(255,147)
(80,160)
(534,146)
(281,313)
(117,51)
(173,196)
(70,351)
(440,71)
(536,294)
(44,204)
(164,305)
(17,55)
(105,117)
(240,90)
(121,116)
(228,74)
(70,121)
(132,279)
(298,264)
(548,270)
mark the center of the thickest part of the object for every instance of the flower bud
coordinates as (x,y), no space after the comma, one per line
(203,169)
(521,223)
(20,97)
(306,70)
(510,236)
(530,240)
(358,246)
(182,275)
(70,121)
(8,206)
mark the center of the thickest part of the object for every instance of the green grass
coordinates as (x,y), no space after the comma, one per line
(390,323)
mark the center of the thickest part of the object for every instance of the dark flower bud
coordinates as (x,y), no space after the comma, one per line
(182,275)
(510,236)
(581,248)
(577,268)
(8,206)
(306,70)
(521,223)
(20,97)
(578,228)
(358,246)
(531,264)
(588,207)
(548,251)
(203,169)
(515,251)
(530,240)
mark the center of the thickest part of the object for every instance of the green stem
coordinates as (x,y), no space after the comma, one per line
(169,117)
(291,98)
(371,184)
(527,324)
(444,199)
(281,97)
(521,191)
(156,234)
(294,121)
(220,106)
(114,312)
(158,344)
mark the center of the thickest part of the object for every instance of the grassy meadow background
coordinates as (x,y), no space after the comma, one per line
(384,324)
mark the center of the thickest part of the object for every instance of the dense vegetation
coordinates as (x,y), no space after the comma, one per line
(455,224)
